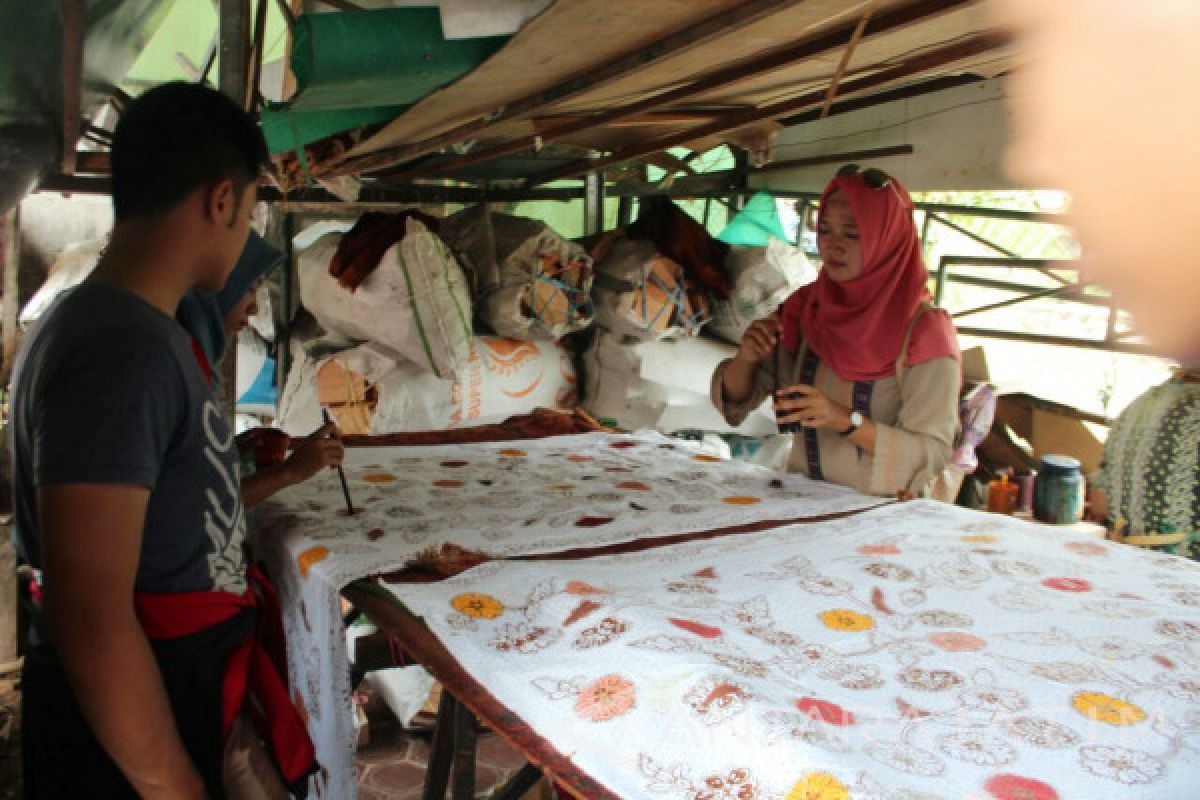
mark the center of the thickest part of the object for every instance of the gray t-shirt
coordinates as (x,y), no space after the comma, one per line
(107,390)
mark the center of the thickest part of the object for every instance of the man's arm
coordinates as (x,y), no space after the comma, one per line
(91,537)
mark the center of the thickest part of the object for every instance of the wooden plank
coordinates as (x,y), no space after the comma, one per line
(847,54)
(923,64)
(890,22)
(74,24)
(588,79)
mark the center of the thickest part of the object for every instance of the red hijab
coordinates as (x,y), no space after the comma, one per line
(857,327)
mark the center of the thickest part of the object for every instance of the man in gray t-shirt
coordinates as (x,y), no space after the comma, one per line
(125,477)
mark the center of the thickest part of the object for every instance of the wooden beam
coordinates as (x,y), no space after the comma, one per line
(855,38)
(10,232)
(74,26)
(340,5)
(935,59)
(820,44)
(668,46)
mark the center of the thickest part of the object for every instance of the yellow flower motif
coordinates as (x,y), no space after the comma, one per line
(841,619)
(1103,708)
(983,538)
(480,606)
(818,786)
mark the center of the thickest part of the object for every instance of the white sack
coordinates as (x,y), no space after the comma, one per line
(661,385)
(763,277)
(414,305)
(69,269)
(502,378)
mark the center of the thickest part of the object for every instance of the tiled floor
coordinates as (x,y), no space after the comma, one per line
(392,766)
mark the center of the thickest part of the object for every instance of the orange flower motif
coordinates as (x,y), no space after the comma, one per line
(741,500)
(511,453)
(1104,708)
(561,487)
(818,786)
(983,538)
(842,619)
(580,459)
(879,550)
(605,698)
(312,555)
(955,642)
(479,606)
(706,459)
(379,477)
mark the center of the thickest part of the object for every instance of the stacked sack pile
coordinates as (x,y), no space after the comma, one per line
(672,302)
(398,299)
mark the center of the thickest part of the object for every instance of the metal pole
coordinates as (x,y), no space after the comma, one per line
(283,342)
(234,29)
(593,203)
(940,291)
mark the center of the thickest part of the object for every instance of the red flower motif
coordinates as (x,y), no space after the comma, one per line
(1067,584)
(623,445)
(1014,787)
(829,713)
(1163,661)
(448,484)
(455,464)
(703,631)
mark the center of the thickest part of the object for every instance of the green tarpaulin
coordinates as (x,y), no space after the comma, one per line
(755,224)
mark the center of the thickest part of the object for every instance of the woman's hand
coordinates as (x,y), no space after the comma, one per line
(806,406)
(321,449)
(760,339)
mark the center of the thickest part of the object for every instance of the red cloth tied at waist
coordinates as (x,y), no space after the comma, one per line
(256,669)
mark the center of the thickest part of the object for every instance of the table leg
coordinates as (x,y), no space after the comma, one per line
(441,754)
(521,782)
(463,787)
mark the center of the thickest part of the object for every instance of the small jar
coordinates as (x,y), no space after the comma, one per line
(1058,491)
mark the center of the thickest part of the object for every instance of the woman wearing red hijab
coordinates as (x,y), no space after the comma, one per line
(863,369)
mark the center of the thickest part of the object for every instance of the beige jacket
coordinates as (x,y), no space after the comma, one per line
(916,422)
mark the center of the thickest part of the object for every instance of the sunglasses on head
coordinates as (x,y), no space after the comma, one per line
(873,178)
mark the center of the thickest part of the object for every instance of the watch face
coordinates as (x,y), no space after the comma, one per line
(856,419)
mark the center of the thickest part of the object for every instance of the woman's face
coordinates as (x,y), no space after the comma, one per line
(837,240)
(239,316)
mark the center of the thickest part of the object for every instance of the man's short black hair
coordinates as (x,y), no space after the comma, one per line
(176,138)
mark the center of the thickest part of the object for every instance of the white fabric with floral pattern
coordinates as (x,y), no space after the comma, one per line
(500,499)
(913,651)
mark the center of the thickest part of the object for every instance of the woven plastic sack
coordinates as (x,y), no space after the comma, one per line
(530,282)
(641,295)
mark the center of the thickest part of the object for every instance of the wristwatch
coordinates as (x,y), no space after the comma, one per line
(856,421)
